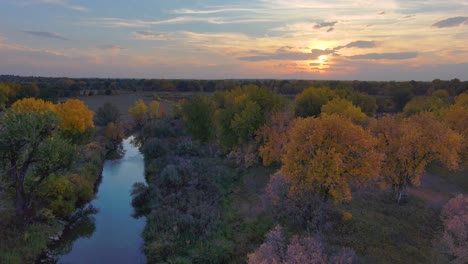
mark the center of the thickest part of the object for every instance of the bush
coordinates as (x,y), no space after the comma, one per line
(455,237)
(153,148)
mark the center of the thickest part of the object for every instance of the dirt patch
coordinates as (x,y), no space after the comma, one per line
(435,190)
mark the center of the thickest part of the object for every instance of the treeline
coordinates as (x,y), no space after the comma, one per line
(326,146)
(392,95)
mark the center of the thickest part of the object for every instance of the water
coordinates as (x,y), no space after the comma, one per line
(117,235)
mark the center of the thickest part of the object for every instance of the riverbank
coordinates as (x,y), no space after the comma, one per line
(25,244)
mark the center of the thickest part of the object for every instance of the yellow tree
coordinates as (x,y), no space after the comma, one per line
(410,144)
(138,112)
(32,105)
(345,108)
(154,110)
(77,119)
(329,153)
(456,117)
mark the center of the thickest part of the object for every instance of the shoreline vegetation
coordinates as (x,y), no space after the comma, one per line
(262,171)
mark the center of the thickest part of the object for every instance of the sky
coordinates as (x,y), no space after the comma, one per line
(398,40)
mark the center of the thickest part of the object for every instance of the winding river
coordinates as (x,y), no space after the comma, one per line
(111,235)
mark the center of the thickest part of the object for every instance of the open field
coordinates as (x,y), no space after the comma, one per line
(125,100)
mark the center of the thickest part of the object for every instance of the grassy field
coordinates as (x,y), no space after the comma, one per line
(125,100)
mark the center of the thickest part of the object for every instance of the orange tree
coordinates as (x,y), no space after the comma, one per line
(77,120)
(327,154)
(410,144)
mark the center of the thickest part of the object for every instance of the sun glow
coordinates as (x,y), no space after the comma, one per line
(322,58)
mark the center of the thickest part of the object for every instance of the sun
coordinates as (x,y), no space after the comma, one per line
(322,58)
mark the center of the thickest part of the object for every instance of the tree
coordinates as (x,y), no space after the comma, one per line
(329,153)
(76,120)
(273,136)
(26,140)
(455,237)
(107,113)
(367,103)
(198,116)
(32,105)
(410,144)
(456,117)
(309,101)
(344,108)
(299,250)
(139,112)
(153,111)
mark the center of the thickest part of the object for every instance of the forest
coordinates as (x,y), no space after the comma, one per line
(244,171)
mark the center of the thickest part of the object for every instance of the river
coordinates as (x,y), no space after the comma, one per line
(117,235)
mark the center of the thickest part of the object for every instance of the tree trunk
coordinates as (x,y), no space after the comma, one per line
(19,201)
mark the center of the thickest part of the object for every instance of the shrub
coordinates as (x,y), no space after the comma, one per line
(455,237)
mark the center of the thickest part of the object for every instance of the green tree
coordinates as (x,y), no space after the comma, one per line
(27,140)
(198,116)
(309,102)
(106,114)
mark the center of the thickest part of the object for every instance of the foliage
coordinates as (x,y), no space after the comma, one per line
(273,136)
(106,114)
(32,105)
(277,250)
(153,110)
(410,144)
(344,108)
(77,120)
(242,111)
(139,112)
(57,194)
(302,209)
(455,237)
(367,103)
(153,148)
(423,104)
(329,153)
(198,116)
(310,101)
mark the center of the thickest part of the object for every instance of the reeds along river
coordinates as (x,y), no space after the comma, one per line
(111,235)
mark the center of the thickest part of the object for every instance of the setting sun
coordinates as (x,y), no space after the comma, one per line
(323,58)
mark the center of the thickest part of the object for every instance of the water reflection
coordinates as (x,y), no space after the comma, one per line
(110,235)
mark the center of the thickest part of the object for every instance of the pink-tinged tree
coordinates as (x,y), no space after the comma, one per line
(455,237)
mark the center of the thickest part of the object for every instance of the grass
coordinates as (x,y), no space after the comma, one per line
(382,231)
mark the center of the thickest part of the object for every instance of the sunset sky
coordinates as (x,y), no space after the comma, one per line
(201,39)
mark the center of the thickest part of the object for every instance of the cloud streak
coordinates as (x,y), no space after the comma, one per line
(451,22)
(63,4)
(385,56)
(45,34)
(282,55)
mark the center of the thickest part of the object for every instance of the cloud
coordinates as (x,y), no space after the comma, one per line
(45,34)
(137,23)
(325,24)
(212,11)
(361,44)
(385,56)
(282,55)
(151,35)
(63,4)
(451,22)
(330,29)
(109,47)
